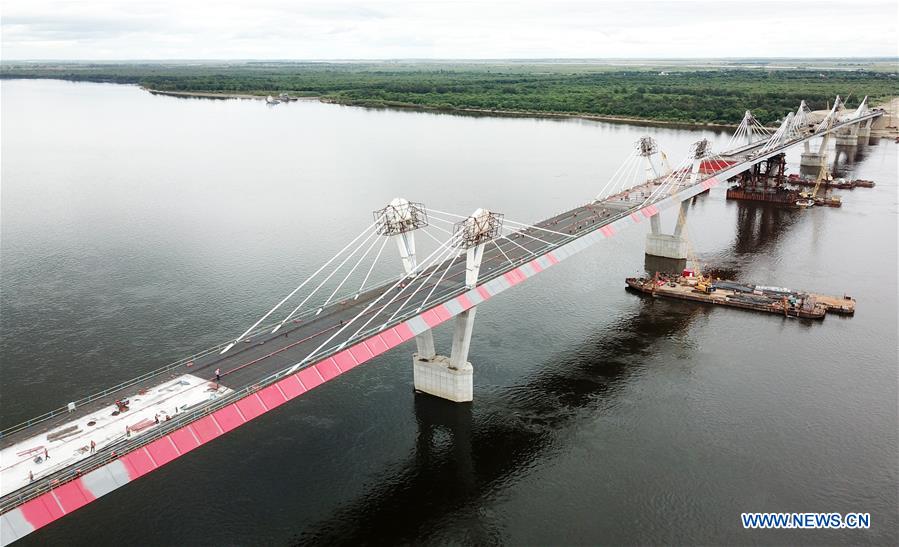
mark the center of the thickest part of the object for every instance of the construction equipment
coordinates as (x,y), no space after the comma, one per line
(705,285)
(823,175)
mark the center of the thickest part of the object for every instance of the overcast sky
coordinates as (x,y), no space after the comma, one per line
(300,29)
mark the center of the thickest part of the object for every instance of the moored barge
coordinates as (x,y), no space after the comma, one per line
(777,300)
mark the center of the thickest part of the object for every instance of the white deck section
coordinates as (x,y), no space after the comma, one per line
(160,401)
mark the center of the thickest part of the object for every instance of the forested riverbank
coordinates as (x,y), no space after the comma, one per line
(696,96)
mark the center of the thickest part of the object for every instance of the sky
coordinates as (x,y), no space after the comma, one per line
(439,29)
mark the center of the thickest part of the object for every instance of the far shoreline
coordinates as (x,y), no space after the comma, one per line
(889,106)
(472,111)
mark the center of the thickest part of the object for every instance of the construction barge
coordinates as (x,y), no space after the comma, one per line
(779,300)
(839,183)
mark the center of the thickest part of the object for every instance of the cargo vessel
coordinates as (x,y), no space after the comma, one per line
(779,300)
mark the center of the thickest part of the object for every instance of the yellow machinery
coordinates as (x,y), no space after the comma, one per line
(703,282)
(823,174)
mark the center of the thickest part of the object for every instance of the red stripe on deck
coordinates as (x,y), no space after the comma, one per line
(138,463)
(404,331)
(310,378)
(649,211)
(442,313)
(250,407)
(635,217)
(72,495)
(391,338)
(430,318)
(360,353)
(327,369)
(162,450)
(537,267)
(272,397)
(512,278)
(41,511)
(206,429)
(344,360)
(292,387)
(376,345)
(607,231)
(552,258)
(228,418)
(184,440)
(464,302)
(485,294)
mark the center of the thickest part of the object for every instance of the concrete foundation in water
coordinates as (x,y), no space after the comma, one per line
(666,246)
(810,159)
(439,377)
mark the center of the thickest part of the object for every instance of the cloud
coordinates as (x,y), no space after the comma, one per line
(279,29)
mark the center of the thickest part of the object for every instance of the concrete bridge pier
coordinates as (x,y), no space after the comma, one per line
(673,246)
(847,136)
(864,131)
(810,159)
(452,378)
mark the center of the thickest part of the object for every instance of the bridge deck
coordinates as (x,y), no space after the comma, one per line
(265,354)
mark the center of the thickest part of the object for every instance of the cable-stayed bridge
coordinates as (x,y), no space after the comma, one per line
(339,318)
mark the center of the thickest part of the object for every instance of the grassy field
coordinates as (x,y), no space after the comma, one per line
(689,91)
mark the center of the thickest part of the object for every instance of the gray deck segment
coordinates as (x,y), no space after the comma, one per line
(454,307)
(106,479)
(13,526)
(417,325)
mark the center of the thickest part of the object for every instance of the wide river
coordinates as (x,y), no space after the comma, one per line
(139,228)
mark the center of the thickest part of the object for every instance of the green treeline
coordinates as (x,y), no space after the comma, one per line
(705,96)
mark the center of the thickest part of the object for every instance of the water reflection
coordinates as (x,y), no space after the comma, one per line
(458,459)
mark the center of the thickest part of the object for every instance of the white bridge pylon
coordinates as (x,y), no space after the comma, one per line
(422,281)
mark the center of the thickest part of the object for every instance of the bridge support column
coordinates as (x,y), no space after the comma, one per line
(452,378)
(847,136)
(864,132)
(811,159)
(674,246)
(664,252)
(406,243)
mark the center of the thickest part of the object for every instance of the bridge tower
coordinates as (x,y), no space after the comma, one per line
(813,159)
(648,148)
(452,377)
(674,247)
(864,128)
(747,121)
(399,220)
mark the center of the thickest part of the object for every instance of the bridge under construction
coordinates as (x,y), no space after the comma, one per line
(335,320)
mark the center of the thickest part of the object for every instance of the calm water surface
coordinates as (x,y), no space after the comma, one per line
(137,229)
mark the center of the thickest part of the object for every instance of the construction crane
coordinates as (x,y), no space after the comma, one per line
(824,177)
